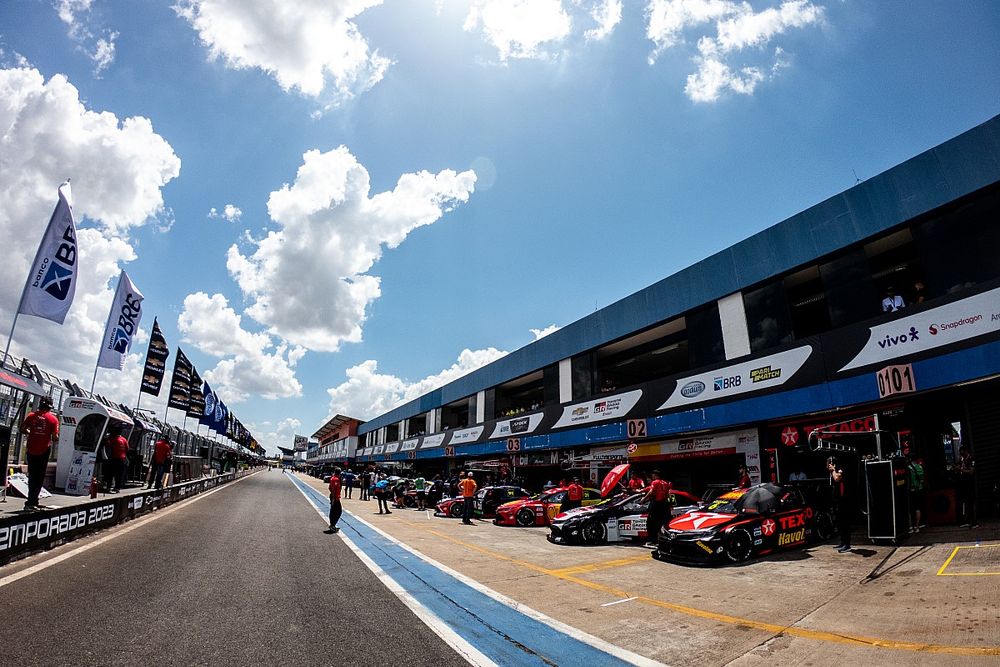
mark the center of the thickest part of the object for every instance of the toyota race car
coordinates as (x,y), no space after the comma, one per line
(744,523)
(450,507)
(539,509)
(484,502)
(618,519)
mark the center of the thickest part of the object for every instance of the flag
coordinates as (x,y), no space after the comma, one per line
(156,361)
(180,383)
(196,399)
(123,320)
(208,409)
(51,284)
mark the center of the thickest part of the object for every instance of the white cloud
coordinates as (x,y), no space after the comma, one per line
(738,28)
(607,14)
(542,333)
(271,436)
(368,393)
(308,280)
(100,49)
(118,168)
(307,45)
(230,213)
(519,28)
(249,367)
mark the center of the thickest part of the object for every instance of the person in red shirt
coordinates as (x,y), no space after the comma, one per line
(42,428)
(162,451)
(574,496)
(117,449)
(636,483)
(335,507)
(658,497)
(744,478)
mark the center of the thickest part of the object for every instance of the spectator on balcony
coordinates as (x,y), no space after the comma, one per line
(892,301)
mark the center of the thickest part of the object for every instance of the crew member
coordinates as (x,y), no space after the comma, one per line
(658,497)
(335,507)
(743,478)
(162,450)
(636,483)
(467,487)
(574,496)
(841,496)
(42,428)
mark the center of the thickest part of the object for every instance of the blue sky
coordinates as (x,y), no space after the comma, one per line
(417,187)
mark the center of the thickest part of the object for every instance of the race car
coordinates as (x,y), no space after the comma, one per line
(744,523)
(484,502)
(539,509)
(618,519)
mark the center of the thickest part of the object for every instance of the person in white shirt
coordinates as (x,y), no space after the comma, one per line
(892,301)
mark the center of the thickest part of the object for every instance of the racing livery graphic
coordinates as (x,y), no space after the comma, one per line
(539,509)
(744,523)
(618,519)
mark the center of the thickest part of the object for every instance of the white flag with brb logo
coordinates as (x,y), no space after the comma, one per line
(123,321)
(51,285)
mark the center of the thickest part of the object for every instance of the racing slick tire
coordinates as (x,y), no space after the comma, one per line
(594,532)
(739,545)
(456,510)
(409,501)
(824,526)
(525,517)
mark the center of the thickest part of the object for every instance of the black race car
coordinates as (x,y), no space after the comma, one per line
(744,523)
(618,519)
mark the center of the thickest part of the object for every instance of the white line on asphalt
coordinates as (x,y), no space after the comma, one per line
(609,604)
(466,650)
(576,633)
(139,523)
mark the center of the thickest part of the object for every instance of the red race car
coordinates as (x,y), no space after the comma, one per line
(539,509)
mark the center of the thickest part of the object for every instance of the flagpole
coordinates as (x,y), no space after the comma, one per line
(14,324)
(110,311)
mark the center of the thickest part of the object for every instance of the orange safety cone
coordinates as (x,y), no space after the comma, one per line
(93,487)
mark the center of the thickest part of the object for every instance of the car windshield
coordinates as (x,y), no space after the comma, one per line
(727,503)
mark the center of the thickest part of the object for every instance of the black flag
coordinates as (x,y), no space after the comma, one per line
(180,383)
(196,399)
(156,362)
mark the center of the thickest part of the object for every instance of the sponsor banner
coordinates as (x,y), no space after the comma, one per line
(378,450)
(300,443)
(123,321)
(743,441)
(612,453)
(792,434)
(156,362)
(196,399)
(461,437)
(951,323)
(516,426)
(42,530)
(609,407)
(392,448)
(750,376)
(410,445)
(180,383)
(51,284)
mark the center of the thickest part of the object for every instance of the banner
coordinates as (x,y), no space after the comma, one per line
(196,399)
(180,383)
(123,320)
(156,361)
(208,409)
(51,284)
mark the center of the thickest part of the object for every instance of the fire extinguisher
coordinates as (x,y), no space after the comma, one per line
(93,487)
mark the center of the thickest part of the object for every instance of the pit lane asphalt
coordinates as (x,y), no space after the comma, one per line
(244,575)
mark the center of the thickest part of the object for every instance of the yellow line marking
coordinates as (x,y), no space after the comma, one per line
(942,573)
(593,567)
(773,628)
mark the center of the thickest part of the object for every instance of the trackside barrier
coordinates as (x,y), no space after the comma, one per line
(21,535)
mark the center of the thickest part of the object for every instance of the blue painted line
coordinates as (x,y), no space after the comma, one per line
(503,634)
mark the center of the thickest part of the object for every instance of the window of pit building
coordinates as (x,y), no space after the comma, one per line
(456,415)
(851,294)
(893,263)
(704,336)
(648,355)
(392,432)
(521,395)
(958,247)
(807,304)
(769,321)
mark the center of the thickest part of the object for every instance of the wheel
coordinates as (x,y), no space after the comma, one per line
(456,510)
(739,544)
(824,526)
(525,517)
(593,532)
(409,501)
